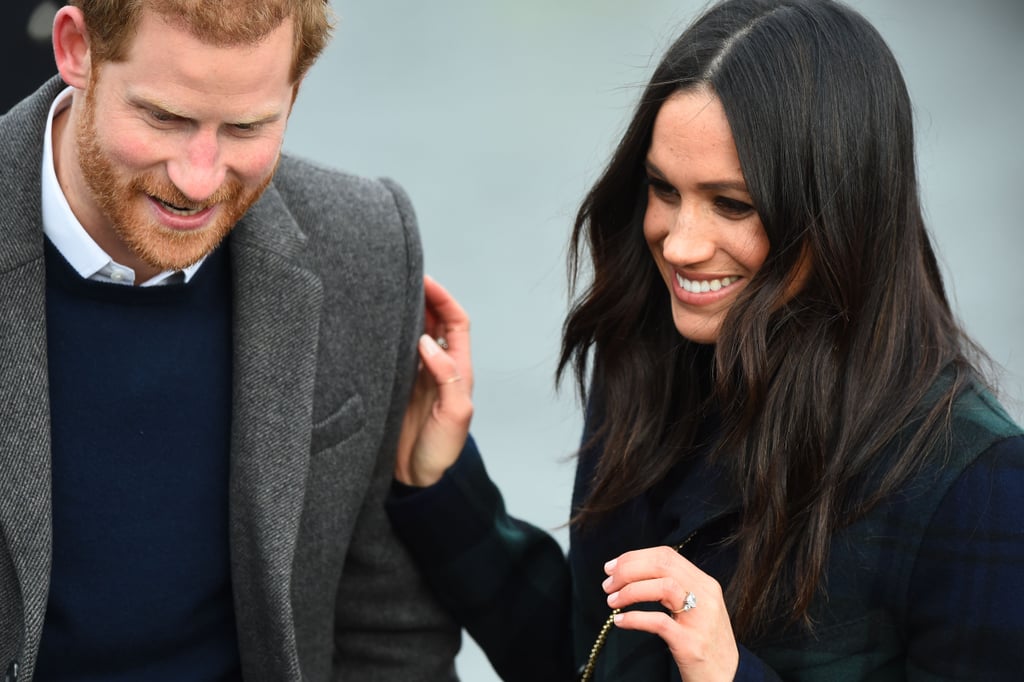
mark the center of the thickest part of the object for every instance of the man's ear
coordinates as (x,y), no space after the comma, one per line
(71,47)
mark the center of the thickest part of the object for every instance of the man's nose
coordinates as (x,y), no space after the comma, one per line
(199,170)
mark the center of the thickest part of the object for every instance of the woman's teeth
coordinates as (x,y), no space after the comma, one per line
(703,286)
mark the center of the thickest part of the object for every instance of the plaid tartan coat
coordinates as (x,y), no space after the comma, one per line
(928,586)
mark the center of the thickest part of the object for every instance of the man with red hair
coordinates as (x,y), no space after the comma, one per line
(207,351)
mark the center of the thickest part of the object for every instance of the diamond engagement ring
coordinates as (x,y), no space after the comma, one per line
(689,602)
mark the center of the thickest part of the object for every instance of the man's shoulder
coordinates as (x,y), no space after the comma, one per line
(341,215)
(22,129)
(319,186)
(329,203)
(25,121)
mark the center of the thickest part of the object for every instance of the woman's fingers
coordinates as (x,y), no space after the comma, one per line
(443,304)
(657,574)
(452,405)
(439,364)
(446,320)
(437,419)
(694,623)
(667,591)
(643,564)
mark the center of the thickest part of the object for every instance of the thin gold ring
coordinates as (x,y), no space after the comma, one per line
(453,379)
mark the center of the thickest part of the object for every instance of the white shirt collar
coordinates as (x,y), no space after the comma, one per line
(67,234)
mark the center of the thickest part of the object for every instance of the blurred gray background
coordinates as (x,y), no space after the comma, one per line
(497,116)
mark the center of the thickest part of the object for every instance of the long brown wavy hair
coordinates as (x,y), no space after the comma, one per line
(810,390)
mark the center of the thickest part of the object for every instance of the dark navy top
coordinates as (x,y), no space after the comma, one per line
(140,401)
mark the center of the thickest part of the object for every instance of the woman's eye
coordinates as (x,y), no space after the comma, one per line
(661,188)
(733,207)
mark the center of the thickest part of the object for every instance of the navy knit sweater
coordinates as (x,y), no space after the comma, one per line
(140,400)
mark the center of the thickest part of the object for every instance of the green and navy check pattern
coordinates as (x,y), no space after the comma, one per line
(929,586)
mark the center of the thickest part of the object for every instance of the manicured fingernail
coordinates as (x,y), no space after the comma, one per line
(612,598)
(610,566)
(429,346)
(607,582)
(617,618)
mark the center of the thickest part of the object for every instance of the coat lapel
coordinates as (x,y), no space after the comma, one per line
(25,523)
(25,446)
(699,499)
(276,320)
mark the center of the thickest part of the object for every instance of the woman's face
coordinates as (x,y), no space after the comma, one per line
(706,238)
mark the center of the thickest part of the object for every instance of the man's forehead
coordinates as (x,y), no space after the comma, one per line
(171,70)
(222,23)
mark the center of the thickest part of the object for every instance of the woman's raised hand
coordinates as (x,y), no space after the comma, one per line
(437,419)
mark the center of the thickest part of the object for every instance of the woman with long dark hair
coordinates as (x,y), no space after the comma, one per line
(791,463)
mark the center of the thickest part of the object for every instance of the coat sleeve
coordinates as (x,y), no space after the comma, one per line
(753,669)
(505,581)
(389,627)
(965,613)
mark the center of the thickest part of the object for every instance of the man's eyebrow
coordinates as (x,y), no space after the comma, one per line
(149,103)
(259,119)
(156,105)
